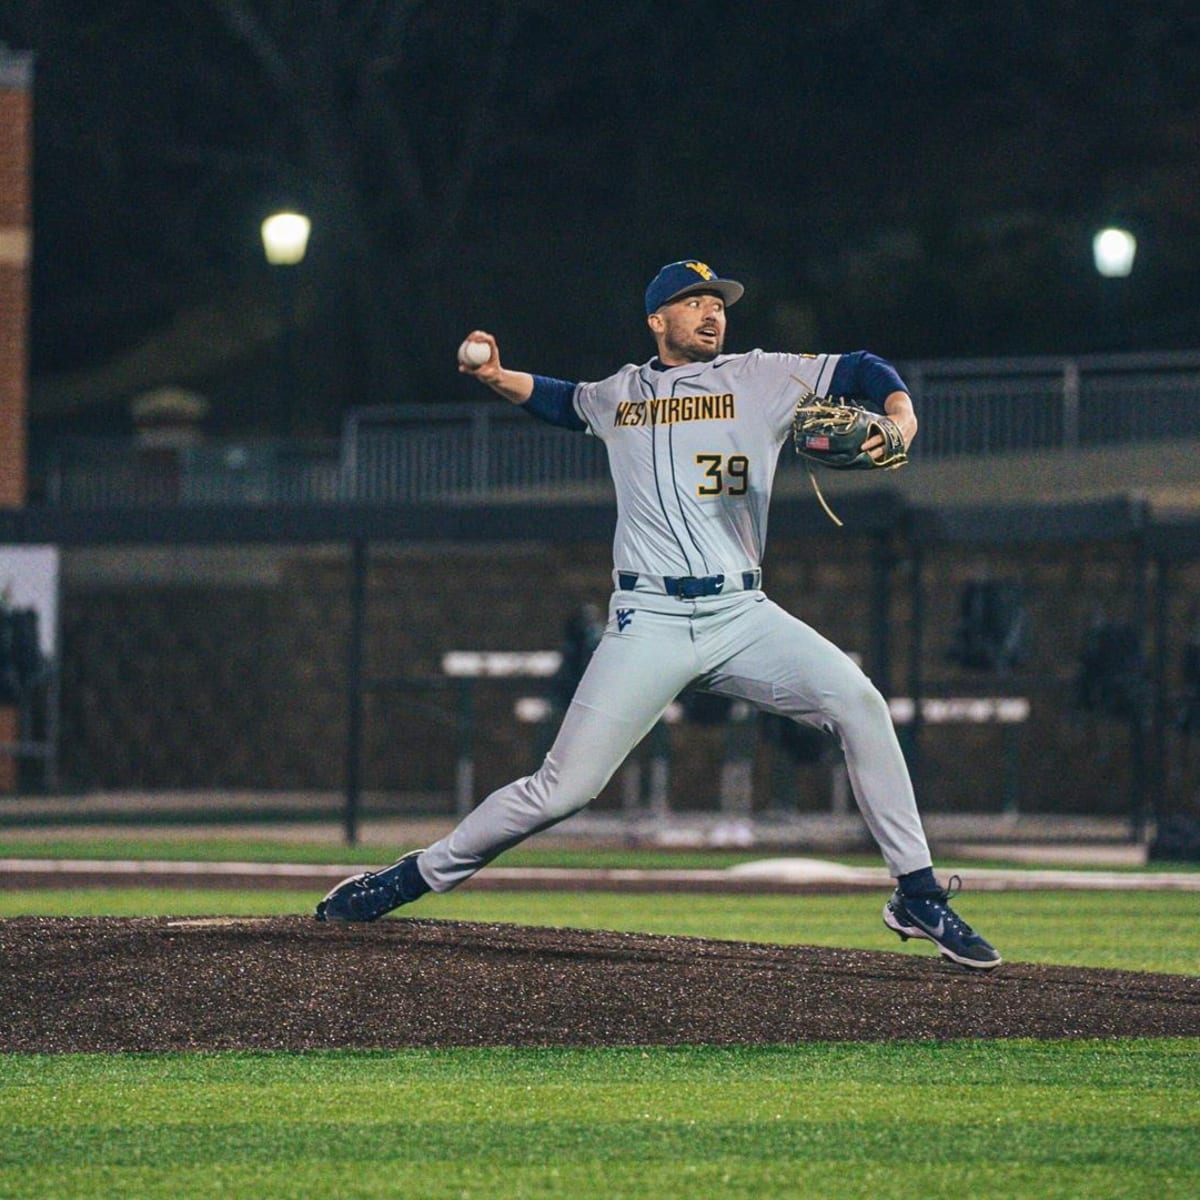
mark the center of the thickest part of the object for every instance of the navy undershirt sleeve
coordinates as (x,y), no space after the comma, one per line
(860,375)
(553,400)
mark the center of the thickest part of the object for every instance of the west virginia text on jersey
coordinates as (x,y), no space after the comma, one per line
(670,410)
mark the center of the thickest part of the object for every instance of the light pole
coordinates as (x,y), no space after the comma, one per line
(285,240)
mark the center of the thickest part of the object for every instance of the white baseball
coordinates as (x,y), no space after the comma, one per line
(474,354)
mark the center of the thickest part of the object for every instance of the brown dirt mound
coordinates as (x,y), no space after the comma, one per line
(110,984)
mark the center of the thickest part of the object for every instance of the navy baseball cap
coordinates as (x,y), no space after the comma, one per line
(686,276)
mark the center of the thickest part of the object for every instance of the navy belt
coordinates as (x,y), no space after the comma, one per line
(692,587)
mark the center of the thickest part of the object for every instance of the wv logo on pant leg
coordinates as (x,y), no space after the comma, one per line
(624,616)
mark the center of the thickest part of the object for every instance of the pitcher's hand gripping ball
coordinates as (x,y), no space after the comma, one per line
(832,433)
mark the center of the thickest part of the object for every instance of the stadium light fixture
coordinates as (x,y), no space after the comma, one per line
(285,238)
(1113,251)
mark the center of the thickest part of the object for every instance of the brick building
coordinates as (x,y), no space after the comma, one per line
(16,242)
(16,110)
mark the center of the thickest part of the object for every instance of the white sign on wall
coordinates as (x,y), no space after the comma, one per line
(29,579)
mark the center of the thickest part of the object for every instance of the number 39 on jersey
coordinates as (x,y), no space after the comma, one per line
(724,475)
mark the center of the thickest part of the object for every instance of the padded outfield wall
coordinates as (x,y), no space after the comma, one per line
(219,665)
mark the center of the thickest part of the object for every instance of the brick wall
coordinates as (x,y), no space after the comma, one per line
(15,248)
(15,245)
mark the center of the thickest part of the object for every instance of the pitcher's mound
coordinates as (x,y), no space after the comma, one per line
(291,983)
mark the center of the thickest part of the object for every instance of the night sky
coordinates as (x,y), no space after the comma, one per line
(918,179)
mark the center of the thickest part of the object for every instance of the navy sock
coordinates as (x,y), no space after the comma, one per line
(412,881)
(918,883)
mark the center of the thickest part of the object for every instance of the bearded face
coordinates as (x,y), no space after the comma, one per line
(690,329)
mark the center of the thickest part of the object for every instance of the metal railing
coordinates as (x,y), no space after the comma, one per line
(424,452)
(432,452)
(1006,406)
(117,472)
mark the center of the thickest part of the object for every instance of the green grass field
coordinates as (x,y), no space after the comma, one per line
(995,1119)
(171,846)
(1017,1119)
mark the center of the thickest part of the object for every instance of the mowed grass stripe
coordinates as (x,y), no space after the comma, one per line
(1159,1063)
(313,1178)
(643,1136)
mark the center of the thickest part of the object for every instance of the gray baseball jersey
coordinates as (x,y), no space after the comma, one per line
(693,451)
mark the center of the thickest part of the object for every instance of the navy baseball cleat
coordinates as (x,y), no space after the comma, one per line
(930,916)
(367,896)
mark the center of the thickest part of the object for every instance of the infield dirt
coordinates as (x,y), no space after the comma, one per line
(290,983)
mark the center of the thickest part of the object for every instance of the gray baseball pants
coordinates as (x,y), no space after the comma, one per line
(743,646)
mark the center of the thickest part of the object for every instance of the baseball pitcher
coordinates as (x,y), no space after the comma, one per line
(693,437)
